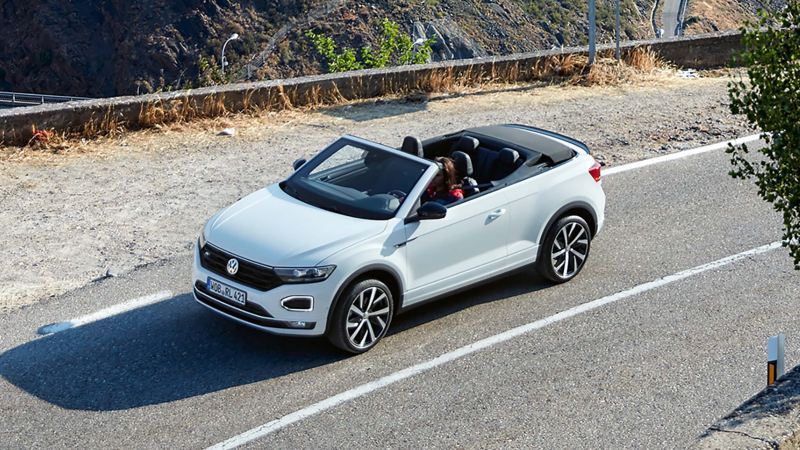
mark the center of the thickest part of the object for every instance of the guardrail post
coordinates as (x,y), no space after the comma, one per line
(775,350)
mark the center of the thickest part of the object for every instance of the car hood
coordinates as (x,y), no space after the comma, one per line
(274,228)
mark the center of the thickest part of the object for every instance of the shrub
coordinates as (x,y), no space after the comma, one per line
(394,48)
(771,101)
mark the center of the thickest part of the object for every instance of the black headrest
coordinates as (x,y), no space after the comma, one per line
(413,146)
(508,157)
(466,144)
(463,164)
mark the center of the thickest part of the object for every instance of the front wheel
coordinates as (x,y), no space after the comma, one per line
(565,249)
(362,316)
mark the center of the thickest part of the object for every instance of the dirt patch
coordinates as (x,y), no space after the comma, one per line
(117,204)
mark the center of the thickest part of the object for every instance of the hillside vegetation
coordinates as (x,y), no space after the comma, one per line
(103,48)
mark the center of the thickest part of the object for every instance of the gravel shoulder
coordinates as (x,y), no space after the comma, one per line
(114,205)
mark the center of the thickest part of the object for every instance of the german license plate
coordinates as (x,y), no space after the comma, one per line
(229,292)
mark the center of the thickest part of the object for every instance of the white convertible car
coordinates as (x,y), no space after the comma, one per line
(346,242)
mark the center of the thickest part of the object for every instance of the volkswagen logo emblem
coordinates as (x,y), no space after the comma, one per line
(233,266)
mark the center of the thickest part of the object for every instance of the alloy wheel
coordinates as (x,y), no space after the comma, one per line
(368,317)
(569,249)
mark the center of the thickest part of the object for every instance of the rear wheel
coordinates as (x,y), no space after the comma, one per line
(362,316)
(565,249)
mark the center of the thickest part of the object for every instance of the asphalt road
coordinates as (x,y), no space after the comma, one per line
(670,17)
(652,370)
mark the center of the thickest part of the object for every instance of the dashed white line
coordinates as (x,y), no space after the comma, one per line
(105,313)
(417,369)
(680,155)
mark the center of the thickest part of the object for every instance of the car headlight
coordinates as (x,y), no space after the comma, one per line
(201,240)
(304,274)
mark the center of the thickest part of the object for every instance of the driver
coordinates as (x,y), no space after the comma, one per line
(445,187)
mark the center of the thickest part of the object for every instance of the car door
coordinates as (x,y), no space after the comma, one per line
(442,254)
(531,204)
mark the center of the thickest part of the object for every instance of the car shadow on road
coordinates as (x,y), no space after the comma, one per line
(176,349)
(519,283)
(168,351)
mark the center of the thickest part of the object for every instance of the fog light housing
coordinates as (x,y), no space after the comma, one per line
(298,324)
(303,303)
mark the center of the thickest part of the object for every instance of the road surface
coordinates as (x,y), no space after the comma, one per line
(671,17)
(650,370)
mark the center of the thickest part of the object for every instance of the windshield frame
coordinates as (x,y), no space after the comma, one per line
(298,190)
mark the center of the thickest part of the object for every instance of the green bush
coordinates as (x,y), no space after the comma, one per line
(394,48)
(209,72)
(771,101)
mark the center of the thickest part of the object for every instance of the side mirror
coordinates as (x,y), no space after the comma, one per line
(298,163)
(431,210)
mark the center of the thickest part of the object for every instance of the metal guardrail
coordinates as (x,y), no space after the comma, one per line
(23,99)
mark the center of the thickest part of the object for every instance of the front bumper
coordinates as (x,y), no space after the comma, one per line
(263,310)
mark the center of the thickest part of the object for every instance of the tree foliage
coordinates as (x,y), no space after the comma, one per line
(394,48)
(770,100)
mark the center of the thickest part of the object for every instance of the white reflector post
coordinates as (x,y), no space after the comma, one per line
(775,347)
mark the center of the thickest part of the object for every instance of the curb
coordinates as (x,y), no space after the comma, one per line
(768,420)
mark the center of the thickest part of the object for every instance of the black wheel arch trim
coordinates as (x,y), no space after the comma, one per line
(359,274)
(560,212)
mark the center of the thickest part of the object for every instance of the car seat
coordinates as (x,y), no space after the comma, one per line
(463,164)
(466,144)
(413,146)
(506,163)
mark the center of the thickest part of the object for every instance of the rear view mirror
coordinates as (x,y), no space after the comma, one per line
(298,163)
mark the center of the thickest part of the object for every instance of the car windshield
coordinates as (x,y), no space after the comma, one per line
(356,179)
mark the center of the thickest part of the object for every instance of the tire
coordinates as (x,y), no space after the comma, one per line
(558,262)
(352,331)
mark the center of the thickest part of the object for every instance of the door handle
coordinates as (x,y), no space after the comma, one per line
(496,214)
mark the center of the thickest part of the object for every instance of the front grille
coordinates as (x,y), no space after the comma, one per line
(249,306)
(250,274)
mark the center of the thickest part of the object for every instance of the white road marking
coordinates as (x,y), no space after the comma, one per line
(679,155)
(105,313)
(417,369)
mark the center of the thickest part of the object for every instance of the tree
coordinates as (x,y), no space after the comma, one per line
(770,99)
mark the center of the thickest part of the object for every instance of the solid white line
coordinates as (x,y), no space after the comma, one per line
(367,388)
(679,155)
(105,313)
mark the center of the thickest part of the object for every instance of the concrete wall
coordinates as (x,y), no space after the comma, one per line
(91,117)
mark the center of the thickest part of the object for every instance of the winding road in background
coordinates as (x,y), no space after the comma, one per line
(672,17)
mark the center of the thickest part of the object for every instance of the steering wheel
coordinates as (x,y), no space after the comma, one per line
(400,195)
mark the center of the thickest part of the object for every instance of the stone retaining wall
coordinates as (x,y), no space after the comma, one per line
(90,116)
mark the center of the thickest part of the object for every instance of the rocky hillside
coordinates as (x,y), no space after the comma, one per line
(114,47)
(706,16)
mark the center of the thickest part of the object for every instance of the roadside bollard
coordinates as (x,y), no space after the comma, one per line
(775,347)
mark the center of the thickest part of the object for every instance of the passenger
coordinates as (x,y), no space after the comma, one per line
(445,187)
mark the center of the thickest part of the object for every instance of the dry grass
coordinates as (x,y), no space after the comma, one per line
(573,69)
